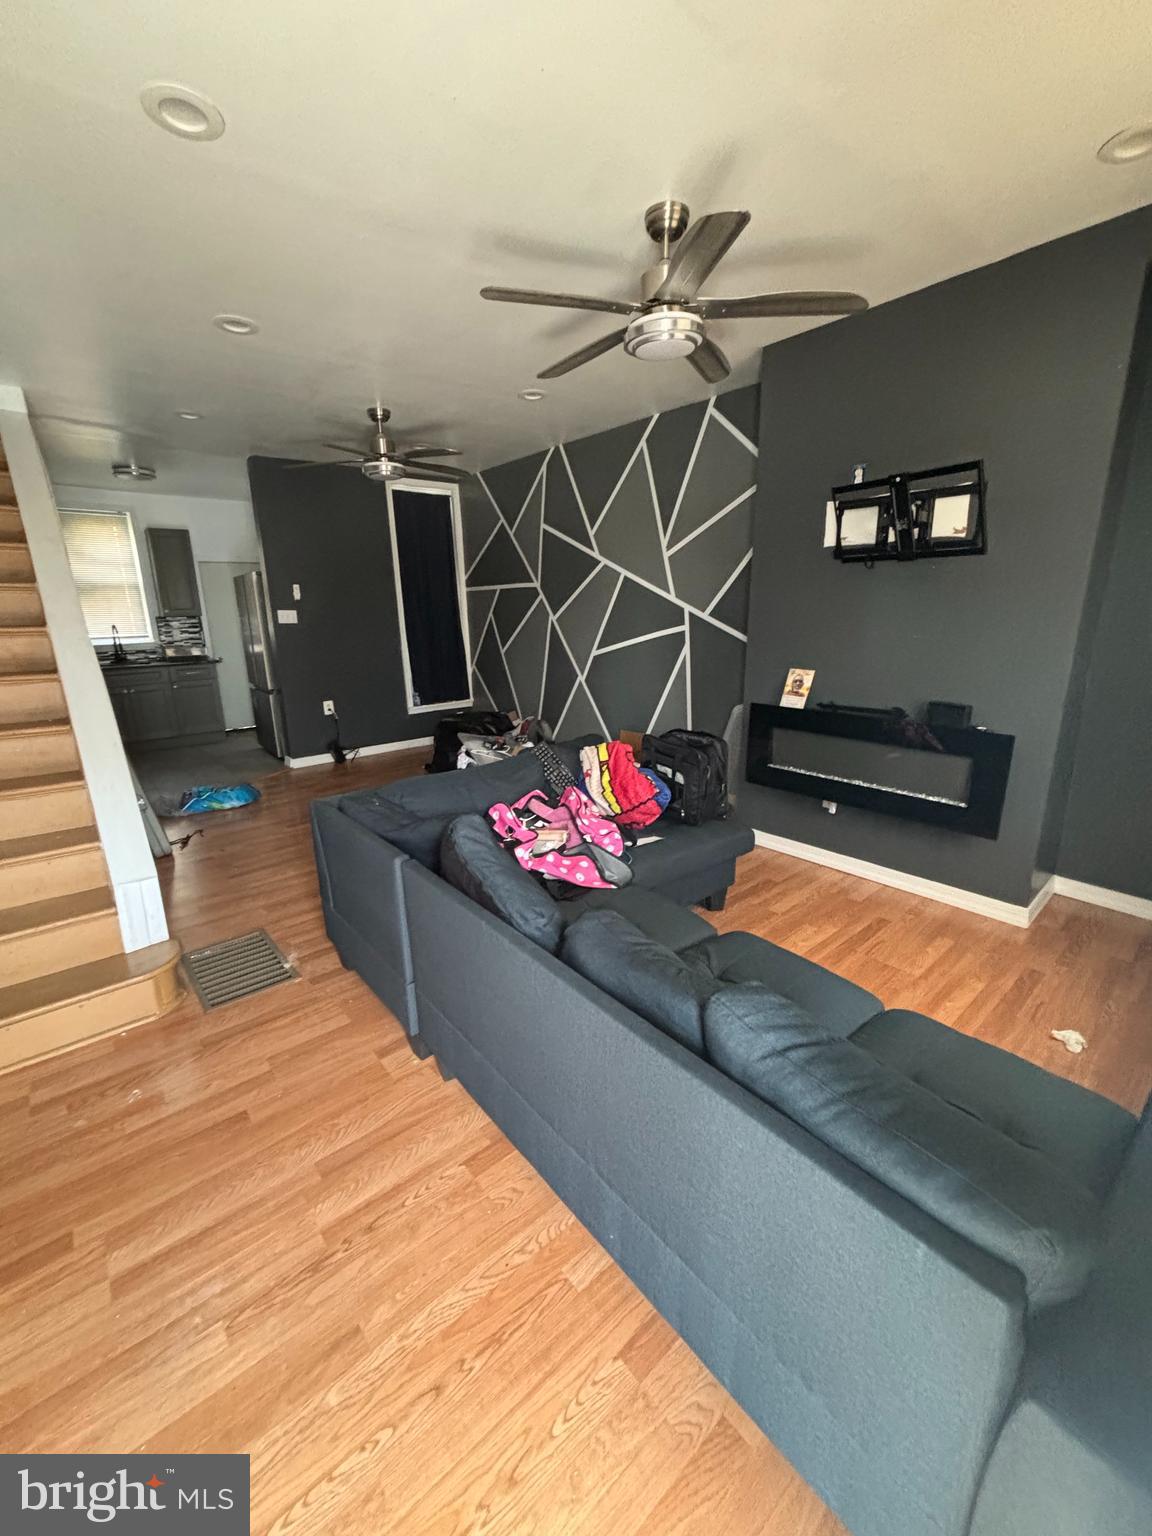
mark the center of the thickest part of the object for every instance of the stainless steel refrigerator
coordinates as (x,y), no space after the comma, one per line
(256,633)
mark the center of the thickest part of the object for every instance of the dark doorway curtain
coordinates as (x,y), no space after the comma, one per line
(426,555)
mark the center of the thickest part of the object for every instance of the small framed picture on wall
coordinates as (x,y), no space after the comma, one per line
(797,687)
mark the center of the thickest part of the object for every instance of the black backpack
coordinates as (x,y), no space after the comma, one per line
(694,765)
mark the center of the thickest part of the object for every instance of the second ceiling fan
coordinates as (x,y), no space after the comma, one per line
(670,318)
(385,461)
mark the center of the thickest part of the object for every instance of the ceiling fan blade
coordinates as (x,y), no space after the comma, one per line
(435,472)
(709,362)
(423,451)
(770,305)
(697,252)
(326,464)
(585,355)
(344,448)
(558,300)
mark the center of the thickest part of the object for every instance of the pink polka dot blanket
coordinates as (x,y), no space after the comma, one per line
(551,839)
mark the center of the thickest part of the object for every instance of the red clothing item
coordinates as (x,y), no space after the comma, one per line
(629,794)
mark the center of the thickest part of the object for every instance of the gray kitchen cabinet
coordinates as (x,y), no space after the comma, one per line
(174,570)
(164,706)
(197,700)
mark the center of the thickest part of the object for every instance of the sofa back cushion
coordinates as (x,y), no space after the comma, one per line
(1006,1198)
(641,973)
(474,862)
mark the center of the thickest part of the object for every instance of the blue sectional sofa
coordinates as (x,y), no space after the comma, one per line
(920,1263)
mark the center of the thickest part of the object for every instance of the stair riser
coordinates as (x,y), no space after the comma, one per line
(73,1024)
(26,653)
(6,491)
(46,950)
(20,607)
(15,563)
(44,811)
(52,752)
(11,528)
(26,703)
(58,874)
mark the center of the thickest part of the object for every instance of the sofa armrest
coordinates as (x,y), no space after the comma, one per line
(362,893)
(1076,1451)
(816,1295)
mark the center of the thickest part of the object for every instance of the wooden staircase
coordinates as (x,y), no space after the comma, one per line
(64,976)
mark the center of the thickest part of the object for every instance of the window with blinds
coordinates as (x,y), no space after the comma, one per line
(105,566)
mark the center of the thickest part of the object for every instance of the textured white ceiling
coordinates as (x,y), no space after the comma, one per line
(382,162)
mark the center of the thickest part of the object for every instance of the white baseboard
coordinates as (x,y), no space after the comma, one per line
(1100,896)
(916,885)
(319,758)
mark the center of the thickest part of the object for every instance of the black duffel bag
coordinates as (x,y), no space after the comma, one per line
(694,765)
(467,722)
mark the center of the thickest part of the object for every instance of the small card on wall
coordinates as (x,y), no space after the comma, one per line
(797,687)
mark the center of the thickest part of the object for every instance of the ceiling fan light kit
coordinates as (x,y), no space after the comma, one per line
(670,319)
(664,332)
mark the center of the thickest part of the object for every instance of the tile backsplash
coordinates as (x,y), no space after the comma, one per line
(189,632)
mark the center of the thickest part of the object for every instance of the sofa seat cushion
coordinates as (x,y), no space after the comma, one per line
(840,1006)
(646,976)
(475,862)
(672,853)
(658,916)
(1078,1131)
(1006,1198)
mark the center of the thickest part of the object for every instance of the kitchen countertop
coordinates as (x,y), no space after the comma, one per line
(149,663)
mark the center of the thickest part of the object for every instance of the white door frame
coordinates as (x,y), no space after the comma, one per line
(427,488)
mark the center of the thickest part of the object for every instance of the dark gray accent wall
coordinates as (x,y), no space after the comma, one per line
(327,529)
(608,577)
(1022,364)
(1104,804)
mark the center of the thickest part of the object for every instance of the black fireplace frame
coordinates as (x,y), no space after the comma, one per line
(989,752)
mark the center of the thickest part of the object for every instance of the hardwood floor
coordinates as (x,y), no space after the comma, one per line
(271,1229)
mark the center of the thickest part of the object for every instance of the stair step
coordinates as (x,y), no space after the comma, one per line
(48,864)
(37,747)
(44,844)
(53,1013)
(28,696)
(20,605)
(43,802)
(25,648)
(16,562)
(42,937)
(11,528)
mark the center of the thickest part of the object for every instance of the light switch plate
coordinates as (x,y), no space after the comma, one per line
(285,615)
(296,591)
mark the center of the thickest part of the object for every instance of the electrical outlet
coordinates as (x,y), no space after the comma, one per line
(329,707)
(296,591)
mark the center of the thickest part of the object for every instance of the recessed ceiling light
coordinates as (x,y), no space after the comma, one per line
(235,325)
(179,110)
(133,471)
(531,394)
(188,415)
(1130,144)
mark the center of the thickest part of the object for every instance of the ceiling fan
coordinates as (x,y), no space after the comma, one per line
(385,461)
(670,319)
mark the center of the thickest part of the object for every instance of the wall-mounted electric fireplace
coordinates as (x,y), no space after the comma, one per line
(951,777)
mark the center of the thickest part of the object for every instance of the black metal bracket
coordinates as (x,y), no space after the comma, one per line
(905,515)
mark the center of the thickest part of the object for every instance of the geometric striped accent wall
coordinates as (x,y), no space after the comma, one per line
(608,577)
